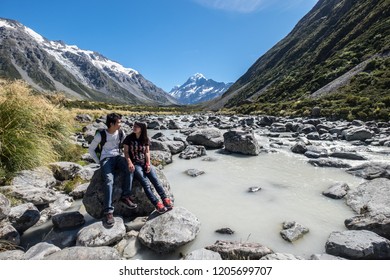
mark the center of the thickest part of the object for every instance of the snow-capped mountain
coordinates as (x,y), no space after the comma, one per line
(55,66)
(198,89)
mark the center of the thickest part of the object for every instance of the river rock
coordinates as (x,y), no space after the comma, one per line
(346,155)
(208,137)
(79,191)
(254,189)
(358,244)
(160,157)
(62,203)
(83,118)
(311,154)
(157,145)
(371,196)
(225,231)
(41,177)
(85,253)
(380,223)
(97,234)
(86,173)
(371,170)
(356,133)
(35,195)
(173,125)
(129,246)
(238,141)
(9,233)
(235,250)
(93,199)
(40,251)
(62,238)
(68,220)
(307,128)
(192,151)
(5,207)
(65,170)
(12,255)
(313,136)
(337,190)
(329,163)
(299,148)
(24,216)
(154,124)
(325,257)
(202,254)
(292,231)
(281,257)
(136,224)
(194,172)
(176,147)
(169,231)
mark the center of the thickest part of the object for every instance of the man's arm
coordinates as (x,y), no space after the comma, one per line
(95,142)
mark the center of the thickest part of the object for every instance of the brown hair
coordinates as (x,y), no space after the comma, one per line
(144,133)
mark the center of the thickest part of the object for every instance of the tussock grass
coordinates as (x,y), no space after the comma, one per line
(33,131)
(8,246)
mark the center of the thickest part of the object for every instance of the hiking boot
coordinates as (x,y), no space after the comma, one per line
(168,203)
(126,201)
(109,219)
(160,207)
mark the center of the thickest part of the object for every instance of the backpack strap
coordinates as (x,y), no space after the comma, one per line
(121,137)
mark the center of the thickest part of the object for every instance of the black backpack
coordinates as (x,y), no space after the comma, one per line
(103,140)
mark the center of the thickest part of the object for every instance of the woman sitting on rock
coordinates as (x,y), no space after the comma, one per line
(137,153)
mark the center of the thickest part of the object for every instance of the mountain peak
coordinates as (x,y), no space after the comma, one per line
(197,76)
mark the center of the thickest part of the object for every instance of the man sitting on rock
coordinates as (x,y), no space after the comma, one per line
(106,149)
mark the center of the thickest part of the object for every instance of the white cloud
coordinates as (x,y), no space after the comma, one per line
(240,6)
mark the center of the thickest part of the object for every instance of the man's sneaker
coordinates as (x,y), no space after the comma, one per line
(109,219)
(160,207)
(126,201)
(168,203)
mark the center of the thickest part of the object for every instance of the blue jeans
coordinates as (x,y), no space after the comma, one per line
(143,177)
(108,166)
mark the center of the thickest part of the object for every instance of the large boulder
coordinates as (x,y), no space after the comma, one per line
(85,253)
(281,257)
(358,244)
(202,254)
(238,141)
(9,233)
(12,255)
(235,250)
(129,246)
(65,170)
(5,207)
(208,137)
(94,197)
(193,151)
(176,146)
(79,191)
(371,170)
(40,251)
(68,220)
(337,190)
(347,155)
(357,133)
(157,145)
(41,177)
(28,193)
(167,232)
(160,157)
(86,173)
(299,148)
(322,162)
(380,224)
(62,203)
(24,216)
(97,234)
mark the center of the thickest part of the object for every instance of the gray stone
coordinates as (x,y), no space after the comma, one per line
(12,255)
(35,195)
(86,173)
(278,127)
(167,232)
(371,170)
(202,254)
(136,224)
(299,148)
(238,141)
(316,112)
(358,123)
(194,172)
(62,238)
(65,170)
(157,145)
(130,246)
(371,196)
(160,157)
(380,223)
(313,136)
(337,190)
(325,257)
(9,233)
(329,163)
(5,207)
(173,125)
(154,124)
(209,159)
(88,158)
(40,251)
(41,177)
(281,257)
(94,197)
(68,220)
(208,137)
(311,154)
(192,151)
(235,250)
(62,203)
(176,147)
(24,216)
(254,189)
(79,191)
(225,231)
(357,133)
(307,128)
(292,231)
(85,253)
(358,244)
(347,155)
(97,234)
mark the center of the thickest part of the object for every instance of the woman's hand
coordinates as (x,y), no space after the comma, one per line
(131,167)
(147,168)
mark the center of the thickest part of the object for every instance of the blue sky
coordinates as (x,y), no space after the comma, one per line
(166,40)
